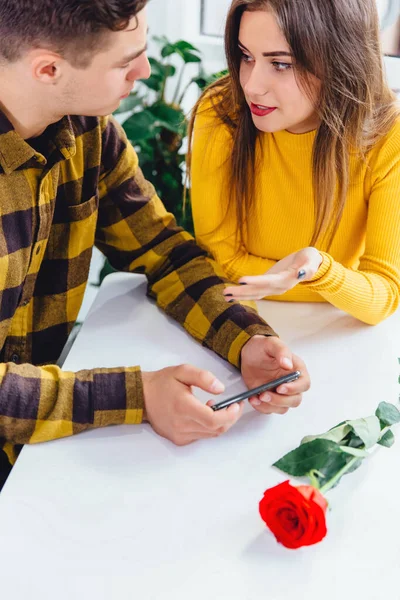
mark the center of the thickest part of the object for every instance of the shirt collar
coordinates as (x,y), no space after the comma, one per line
(15,151)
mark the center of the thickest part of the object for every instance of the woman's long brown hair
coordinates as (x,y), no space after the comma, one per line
(337,41)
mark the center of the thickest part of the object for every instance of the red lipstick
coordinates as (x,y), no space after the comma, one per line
(263,111)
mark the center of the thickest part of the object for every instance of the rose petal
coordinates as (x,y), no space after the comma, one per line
(295,515)
(311,493)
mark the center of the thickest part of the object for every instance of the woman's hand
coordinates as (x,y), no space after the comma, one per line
(283,276)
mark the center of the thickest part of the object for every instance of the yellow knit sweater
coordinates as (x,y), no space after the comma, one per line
(361,273)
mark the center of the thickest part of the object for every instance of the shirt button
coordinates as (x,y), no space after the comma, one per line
(15,358)
(38,250)
(25,303)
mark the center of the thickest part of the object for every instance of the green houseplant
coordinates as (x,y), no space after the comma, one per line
(156,123)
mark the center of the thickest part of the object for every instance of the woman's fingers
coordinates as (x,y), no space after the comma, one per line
(255,288)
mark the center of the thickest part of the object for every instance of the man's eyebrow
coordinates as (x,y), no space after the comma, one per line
(131,57)
(276,53)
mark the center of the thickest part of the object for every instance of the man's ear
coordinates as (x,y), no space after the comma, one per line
(46,66)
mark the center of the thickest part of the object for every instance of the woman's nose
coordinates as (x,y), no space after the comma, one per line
(257,84)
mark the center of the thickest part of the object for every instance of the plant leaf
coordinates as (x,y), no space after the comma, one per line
(129,103)
(356,465)
(354,451)
(337,434)
(157,68)
(169,70)
(154,82)
(168,50)
(321,455)
(186,51)
(353,441)
(169,117)
(358,432)
(140,126)
(182,45)
(368,430)
(388,414)
(201,82)
(387,439)
(159,73)
(189,57)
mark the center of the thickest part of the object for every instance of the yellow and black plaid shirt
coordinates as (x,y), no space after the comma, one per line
(78,185)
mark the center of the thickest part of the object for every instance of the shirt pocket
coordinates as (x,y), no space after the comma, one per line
(83,211)
(75,233)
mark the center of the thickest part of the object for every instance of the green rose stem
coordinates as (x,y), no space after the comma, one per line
(329,484)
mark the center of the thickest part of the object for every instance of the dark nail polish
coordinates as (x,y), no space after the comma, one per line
(228,295)
(243,283)
(230,301)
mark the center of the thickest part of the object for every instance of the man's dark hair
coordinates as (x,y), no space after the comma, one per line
(74,28)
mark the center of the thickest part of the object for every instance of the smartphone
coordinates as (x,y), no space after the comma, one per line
(271,385)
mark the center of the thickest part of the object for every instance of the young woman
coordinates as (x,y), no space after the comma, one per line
(295,164)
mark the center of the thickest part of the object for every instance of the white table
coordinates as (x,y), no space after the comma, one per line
(121,513)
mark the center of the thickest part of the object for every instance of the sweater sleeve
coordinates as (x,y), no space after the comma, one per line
(371,292)
(214,217)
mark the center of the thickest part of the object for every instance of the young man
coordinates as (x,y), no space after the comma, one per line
(69,182)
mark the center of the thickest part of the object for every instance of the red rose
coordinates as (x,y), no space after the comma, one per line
(295,515)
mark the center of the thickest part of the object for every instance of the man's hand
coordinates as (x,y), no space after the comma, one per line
(176,414)
(266,358)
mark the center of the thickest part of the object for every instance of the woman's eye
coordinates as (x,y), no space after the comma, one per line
(245,57)
(281,66)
